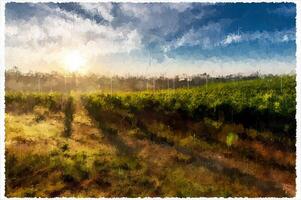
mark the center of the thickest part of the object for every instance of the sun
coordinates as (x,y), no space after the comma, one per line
(74,61)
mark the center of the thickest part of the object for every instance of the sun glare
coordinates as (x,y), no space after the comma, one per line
(74,61)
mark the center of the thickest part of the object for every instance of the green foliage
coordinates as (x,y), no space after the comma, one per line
(26,102)
(210,122)
(24,166)
(41,103)
(231,138)
(69,112)
(254,103)
(40,113)
(78,165)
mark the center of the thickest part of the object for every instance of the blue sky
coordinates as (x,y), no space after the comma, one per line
(152,38)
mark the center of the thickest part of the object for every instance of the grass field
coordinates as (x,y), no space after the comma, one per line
(223,139)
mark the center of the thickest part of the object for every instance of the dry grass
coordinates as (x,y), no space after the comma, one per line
(41,162)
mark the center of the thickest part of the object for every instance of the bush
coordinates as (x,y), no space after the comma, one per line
(68,111)
(256,103)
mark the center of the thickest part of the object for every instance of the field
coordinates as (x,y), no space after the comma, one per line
(218,140)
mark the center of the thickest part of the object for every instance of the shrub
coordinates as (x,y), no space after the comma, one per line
(68,111)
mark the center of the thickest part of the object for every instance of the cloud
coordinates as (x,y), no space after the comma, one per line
(157,24)
(39,34)
(103,9)
(264,36)
(285,38)
(180,7)
(153,21)
(44,41)
(212,35)
(206,36)
(231,38)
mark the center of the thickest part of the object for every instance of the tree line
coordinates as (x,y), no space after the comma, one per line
(15,80)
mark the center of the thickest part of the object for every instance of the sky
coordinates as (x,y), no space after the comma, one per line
(151,39)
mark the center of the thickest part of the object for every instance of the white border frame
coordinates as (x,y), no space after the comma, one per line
(298,77)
